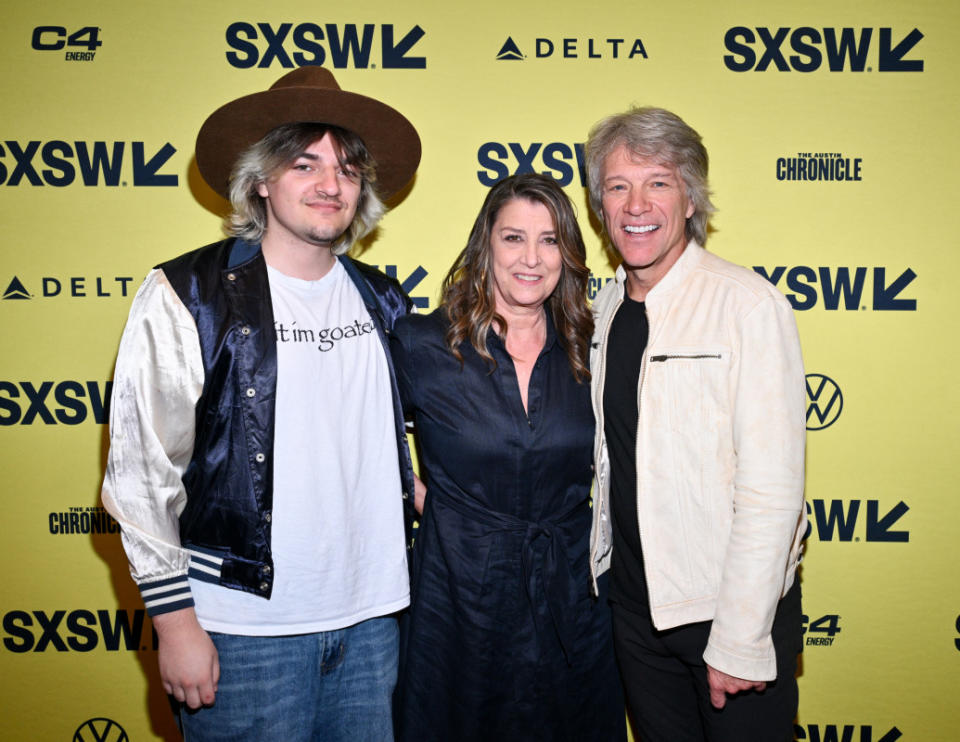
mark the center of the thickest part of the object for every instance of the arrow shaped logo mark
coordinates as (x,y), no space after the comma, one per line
(145,173)
(885,297)
(16,290)
(891,59)
(509,50)
(395,55)
(878,529)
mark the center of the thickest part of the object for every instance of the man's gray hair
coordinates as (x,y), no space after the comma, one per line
(277,149)
(659,135)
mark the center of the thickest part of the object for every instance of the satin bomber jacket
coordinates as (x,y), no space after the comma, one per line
(190,470)
(720,454)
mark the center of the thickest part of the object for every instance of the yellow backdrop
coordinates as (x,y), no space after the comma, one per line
(832,131)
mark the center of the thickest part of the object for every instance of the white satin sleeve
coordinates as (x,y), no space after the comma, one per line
(157,382)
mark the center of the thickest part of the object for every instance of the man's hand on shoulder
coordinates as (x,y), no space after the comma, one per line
(722,685)
(189,666)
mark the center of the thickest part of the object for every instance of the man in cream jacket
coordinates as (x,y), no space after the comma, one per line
(698,391)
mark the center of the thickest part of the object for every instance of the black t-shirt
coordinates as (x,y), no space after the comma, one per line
(625,346)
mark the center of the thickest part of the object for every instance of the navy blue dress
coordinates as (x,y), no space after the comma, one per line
(503,640)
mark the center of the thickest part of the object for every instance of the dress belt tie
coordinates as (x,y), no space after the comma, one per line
(543,557)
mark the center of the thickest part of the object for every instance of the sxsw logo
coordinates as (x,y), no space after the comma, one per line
(842,288)
(78,631)
(845,733)
(77,287)
(836,520)
(575,48)
(338,45)
(100,729)
(409,283)
(824,401)
(565,162)
(73,402)
(841,49)
(60,163)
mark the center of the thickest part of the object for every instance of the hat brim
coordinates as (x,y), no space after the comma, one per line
(388,135)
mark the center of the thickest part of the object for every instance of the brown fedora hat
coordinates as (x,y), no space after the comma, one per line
(308,94)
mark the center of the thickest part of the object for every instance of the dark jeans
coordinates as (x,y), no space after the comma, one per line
(665,681)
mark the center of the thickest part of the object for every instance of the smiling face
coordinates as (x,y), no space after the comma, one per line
(525,256)
(645,211)
(312,199)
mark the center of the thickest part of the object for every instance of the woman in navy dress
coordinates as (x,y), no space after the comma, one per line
(504,640)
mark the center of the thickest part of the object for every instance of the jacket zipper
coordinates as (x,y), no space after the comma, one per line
(692,356)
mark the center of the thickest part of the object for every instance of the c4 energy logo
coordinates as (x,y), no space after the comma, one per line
(821,632)
(842,288)
(576,48)
(845,733)
(824,401)
(820,166)
(60,163)
(77,287)
(80,45)
(836,520)
(100,730)
(27,403)
(841,49)
(78,631)
(563,161)
(331,44)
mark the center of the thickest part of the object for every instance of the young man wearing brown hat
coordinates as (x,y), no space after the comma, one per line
(258,463)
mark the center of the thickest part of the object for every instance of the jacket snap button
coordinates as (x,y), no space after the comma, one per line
(231,276)
(266,570)
(406,496)
(264,586)
(244,330)
(251,392)
(260,458)
(267,517)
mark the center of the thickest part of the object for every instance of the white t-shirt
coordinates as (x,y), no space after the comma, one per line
(337,528)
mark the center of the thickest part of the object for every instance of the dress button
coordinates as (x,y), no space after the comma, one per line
(264,586)
(244,330)
(251,392)
(260,458)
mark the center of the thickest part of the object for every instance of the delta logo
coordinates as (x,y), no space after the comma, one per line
(366,46)
(60,163)
(74,287)
(841,49)
(570,47)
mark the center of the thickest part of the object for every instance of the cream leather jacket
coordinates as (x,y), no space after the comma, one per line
(720,454)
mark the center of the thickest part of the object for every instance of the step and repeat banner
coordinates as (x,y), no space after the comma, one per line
(832,131)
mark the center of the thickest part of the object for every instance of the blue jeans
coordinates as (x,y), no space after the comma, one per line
(330,686)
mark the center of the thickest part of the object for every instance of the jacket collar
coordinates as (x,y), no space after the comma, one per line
(687,262)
